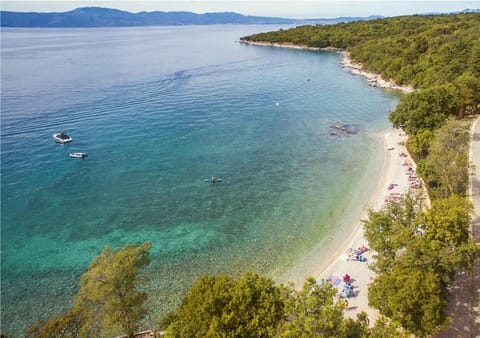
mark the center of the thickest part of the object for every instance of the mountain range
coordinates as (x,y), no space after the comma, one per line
(107,17)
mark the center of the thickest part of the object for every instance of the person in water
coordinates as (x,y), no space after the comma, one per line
(213,179)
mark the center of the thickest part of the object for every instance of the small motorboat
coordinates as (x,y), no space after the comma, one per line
(78,155)
(62,138)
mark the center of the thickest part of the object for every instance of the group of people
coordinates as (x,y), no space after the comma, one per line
(347,290)
(356,255)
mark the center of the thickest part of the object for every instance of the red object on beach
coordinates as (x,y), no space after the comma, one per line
(346,278)
(361,249)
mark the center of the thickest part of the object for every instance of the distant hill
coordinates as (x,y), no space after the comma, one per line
(106,17)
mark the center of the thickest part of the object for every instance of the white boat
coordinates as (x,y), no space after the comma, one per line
(62,138)
(78,155)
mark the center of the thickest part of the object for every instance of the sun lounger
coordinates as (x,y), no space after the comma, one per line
(360,250)
(358,258)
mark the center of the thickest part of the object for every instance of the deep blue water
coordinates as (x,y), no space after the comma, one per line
(158,110)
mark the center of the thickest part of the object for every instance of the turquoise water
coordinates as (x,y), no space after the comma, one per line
(158,110)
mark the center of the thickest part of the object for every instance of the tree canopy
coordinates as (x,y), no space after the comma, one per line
(313,312)
(109,301)
(250,306)
(253,306)
(418,253)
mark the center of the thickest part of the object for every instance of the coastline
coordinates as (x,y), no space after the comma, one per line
(373,79)
(393,171)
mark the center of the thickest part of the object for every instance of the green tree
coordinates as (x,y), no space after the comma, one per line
(314,311)
(109,292)
(385,328)
(447,231)
(412,297)
(109,301)
(221,306)
(448,221)
(67,325)
(418,144)
(447,161)
(426,108)
(469,91)
(390,230)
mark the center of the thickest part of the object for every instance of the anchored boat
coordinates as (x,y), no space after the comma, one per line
(78,155)
(62,138)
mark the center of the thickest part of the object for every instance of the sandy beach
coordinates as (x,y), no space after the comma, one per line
(394,171)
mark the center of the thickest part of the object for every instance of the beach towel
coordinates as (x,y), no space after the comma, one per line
(334,280)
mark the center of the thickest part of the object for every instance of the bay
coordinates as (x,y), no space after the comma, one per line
(158,110)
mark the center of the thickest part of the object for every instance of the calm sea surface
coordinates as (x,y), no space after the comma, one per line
(158,110)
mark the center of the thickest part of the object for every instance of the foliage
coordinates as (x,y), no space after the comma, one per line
(448,221)
(418,254)
(418,144)
(67,325)
(251,306)
(389,230)
(386,328)
(426,109)
(312,312)
(412,297)
(108,301)
(446,165)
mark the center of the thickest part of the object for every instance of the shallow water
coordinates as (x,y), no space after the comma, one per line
(158,110)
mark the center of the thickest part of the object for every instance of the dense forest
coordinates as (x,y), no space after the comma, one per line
(418,248)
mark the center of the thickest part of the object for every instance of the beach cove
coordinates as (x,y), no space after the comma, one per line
(393,182)
(292,190)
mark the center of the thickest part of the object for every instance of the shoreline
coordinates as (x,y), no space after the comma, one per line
(393,170)
(373,79)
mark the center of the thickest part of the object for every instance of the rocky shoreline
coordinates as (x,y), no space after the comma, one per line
(373,79)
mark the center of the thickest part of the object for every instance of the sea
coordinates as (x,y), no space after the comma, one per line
(159,110)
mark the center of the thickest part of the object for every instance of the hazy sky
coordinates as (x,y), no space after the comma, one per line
(291,9)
